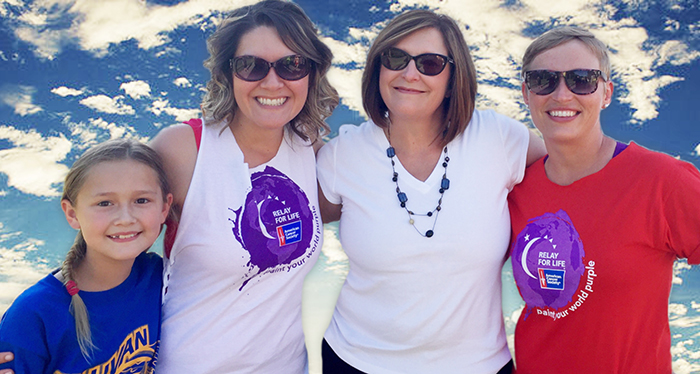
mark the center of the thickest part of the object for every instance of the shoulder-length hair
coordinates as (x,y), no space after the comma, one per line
(460,101)
(299,34)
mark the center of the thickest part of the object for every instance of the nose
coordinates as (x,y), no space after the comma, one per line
(562,92)
(125,215)
(410,72)
(272,80)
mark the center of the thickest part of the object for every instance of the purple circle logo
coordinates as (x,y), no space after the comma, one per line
(547,261)
(275,224)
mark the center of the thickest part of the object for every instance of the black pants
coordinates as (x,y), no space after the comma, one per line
(332,364)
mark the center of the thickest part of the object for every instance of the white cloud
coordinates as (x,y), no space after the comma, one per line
(106,104)
(347,82)
(182,82)
(97,130)
(677,309)
(685,322)
(20,98)
(695,305)
(497,40)
(675,53)
(682,354)
(163,106)
(498,43)
(49,25)
(345,53)
(32,164)
(682,366)
(66,91)
(679,267)
(18,272)
(136,89)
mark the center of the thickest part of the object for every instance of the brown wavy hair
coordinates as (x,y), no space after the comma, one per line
(300,35)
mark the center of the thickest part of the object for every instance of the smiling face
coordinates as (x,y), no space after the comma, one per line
(409,94)
(119,216)
(562,116)
(271,102)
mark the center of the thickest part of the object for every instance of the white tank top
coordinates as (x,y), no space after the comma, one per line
(245,242)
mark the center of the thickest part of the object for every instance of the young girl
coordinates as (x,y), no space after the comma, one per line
(100,312)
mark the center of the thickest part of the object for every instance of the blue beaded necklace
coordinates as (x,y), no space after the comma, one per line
(444,185)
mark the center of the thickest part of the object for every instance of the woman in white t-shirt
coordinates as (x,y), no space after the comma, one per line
(420,191)
(244,181)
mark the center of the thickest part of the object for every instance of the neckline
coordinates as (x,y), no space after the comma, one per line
(227,133)
(612,164)
(407,178)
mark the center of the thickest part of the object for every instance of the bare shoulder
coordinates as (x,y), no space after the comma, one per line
(177,147)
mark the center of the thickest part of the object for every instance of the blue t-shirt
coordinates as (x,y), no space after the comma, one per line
(124,321)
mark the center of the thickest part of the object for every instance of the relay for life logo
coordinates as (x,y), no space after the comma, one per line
(548,265)
(275,224)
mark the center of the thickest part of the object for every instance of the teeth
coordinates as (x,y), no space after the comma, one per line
(123,236)
(562,113)
(272,102)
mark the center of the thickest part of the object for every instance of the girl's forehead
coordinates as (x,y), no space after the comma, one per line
(121,175)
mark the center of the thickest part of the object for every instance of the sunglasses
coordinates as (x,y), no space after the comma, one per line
(579,81)
(253,69)
(426,63)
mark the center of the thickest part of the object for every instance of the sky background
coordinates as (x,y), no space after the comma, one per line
(75,73)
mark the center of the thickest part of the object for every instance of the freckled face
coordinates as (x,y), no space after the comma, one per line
(272,102)
(119,217)
(409,93)
(564,116)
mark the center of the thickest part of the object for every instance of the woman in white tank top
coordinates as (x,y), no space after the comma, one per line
(244,183)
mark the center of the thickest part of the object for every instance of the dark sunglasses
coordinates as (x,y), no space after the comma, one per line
(426,63)
(579,81)
(253,69)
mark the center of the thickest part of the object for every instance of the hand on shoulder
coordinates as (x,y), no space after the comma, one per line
(6,357)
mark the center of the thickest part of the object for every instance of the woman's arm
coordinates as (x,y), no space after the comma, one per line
(177,147)
(329,212)
(535,149)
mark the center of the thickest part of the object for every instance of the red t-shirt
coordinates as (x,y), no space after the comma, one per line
(594,263)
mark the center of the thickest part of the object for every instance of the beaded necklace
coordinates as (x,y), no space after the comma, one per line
(444,185)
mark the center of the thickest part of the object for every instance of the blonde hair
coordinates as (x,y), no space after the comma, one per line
(561,35)
(460,102)
(299,34)
(112,150)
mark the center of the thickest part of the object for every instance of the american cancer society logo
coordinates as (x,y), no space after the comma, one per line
(551,279)
(289,233)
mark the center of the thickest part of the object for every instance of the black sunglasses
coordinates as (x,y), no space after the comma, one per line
(579,81)
(253,69)
(426,63)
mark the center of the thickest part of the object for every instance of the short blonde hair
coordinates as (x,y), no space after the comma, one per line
(561,35)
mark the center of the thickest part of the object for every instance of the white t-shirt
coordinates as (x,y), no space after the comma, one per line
(245,242)
(413,304)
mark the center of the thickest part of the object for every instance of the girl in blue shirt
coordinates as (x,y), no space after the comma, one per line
(100,312)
